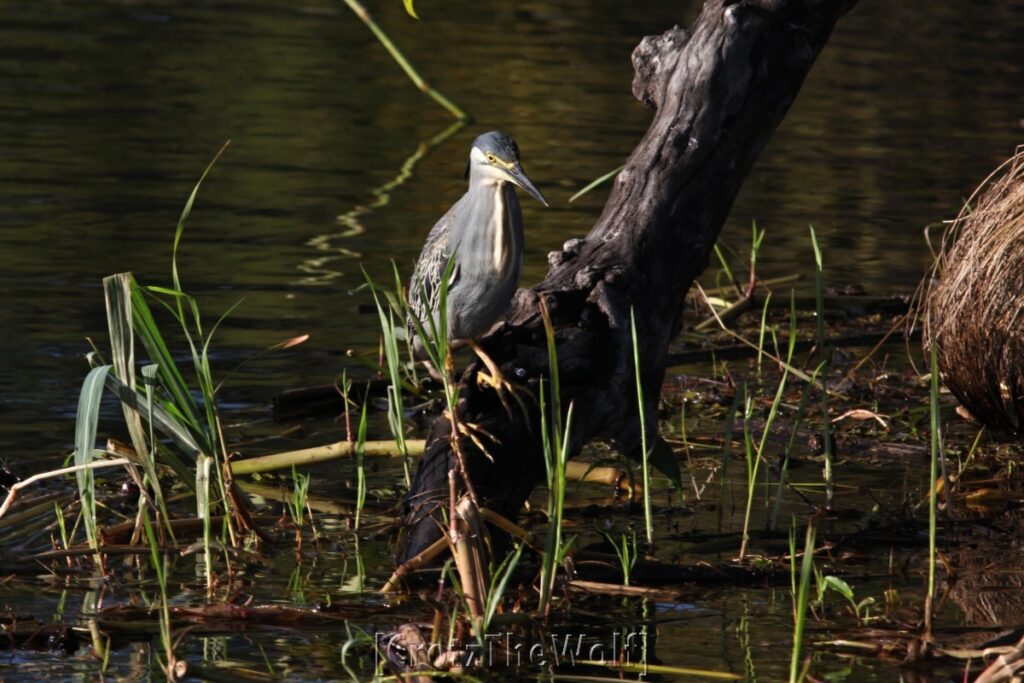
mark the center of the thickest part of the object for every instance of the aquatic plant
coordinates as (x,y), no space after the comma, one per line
(801,593)
(645,452)
(823,354)
(968,304)
(556,458)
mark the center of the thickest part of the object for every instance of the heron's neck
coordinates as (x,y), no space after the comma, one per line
(485,175)
(488,214)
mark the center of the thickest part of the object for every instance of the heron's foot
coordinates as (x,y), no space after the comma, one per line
(494,379)
(474,433)
(504,388)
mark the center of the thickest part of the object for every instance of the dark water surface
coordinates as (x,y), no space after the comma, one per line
(109,112)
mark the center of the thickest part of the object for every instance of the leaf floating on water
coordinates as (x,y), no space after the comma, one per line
(289,343)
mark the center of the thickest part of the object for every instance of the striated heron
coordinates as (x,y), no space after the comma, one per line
(484,230)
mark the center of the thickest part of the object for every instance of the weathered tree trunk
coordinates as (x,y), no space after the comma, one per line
(719,91)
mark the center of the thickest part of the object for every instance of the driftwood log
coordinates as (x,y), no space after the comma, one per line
(718,90)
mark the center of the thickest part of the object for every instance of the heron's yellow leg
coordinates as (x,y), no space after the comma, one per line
(496,380)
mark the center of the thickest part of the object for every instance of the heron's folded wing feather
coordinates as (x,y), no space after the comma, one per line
(425,289)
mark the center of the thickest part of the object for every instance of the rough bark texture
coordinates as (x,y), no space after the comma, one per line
(718,91)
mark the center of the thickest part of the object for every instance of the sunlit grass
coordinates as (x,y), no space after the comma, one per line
(645,452)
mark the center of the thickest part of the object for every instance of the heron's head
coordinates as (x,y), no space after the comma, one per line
(495,156)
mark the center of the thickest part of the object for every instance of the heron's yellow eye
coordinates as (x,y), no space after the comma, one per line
(490,158)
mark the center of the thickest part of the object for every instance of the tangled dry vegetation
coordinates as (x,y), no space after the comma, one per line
(974,301)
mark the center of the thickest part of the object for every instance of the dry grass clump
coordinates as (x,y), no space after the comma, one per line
(974,301)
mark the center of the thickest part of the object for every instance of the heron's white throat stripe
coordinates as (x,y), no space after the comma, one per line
(498,249)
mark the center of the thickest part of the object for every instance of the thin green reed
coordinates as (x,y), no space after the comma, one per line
(160,567)
(936,454)
(433,332)
(645,451)
(724,262)
(755,457)
(555,443)
(730,425)
(360,464)
(300,494)
(203,511)
(783,472)
(85,449)
(626,551)
(756,238)
(826,429)
(117,294)
(761,333)
(556,386)
(496,592)
(360,11)
(396,407)
(149,379)
(802,597)
(402,306)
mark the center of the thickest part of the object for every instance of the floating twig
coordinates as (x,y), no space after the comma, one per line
(94,465)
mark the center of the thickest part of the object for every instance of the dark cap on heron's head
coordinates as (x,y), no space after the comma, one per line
(498,143)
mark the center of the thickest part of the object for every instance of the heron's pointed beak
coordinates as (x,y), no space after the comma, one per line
(520,178)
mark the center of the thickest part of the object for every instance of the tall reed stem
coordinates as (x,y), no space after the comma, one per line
(648,521)
(936,453)
(407,67)
(826,428)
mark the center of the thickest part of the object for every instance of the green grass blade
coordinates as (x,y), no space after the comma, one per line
(787,455)
(203,512)
(826,428)
(724,262)
(118,293)
(547,570)
(149,378)
(936,454)
(396,408)
(404,63)
(360,465)
(819,293)
(760,336)
(730,429)
(170,376)
(754,463)
(179,231)
(801,603)
(494,596)
(556,389)
(85,442)
(596,183)
(165,423)
(396,405)
(206,344)
(645,453)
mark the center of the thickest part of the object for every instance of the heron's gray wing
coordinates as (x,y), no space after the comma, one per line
(425,286)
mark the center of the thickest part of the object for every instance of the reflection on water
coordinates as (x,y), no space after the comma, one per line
(109,112)
(319,272)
